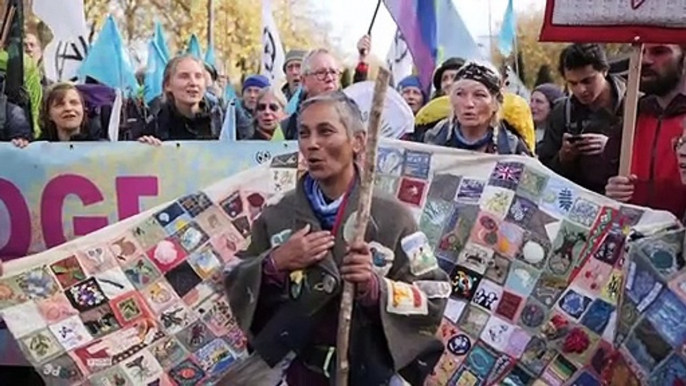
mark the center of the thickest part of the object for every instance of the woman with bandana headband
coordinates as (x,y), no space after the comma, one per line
(476,98)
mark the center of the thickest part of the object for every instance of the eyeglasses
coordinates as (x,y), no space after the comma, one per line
(273,107)
(322,74)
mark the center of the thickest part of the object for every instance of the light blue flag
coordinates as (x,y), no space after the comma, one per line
(228,133)
(161,42)
(508,31)
(154,72)
(293,103)
(194,47)
(230,93)
(108,61)
(210,57)
(454,39)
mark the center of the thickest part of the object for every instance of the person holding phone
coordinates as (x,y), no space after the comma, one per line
(583,136)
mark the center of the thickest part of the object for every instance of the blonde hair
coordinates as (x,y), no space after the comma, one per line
(275,92)
(170,70)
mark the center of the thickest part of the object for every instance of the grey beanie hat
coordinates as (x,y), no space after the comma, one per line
(293,55)
(551,92)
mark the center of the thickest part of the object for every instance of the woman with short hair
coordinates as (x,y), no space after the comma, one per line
(269,112)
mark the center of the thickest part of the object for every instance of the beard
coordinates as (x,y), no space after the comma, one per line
(663,83)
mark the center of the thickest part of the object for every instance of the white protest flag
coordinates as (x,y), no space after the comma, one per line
(67,20)
(115,119)
(399,58)
(273,56)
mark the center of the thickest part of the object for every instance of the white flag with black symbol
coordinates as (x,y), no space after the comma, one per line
(69,47)
(273,56)
(399,58)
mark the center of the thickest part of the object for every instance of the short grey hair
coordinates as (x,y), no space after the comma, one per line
(275,92)
(349,113)
(307,61)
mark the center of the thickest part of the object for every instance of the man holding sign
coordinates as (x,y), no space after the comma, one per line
(659,153)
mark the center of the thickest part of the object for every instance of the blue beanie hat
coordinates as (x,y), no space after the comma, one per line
(259,81)
(412,81)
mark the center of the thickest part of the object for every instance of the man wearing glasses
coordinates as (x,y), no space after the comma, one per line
(320,74)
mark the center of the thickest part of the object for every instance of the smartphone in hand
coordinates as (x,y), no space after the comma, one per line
(575,138)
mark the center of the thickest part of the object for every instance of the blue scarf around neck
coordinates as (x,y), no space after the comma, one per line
(459,141)
(326,212)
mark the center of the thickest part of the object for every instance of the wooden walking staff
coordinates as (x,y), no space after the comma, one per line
(362,218)
(630,109)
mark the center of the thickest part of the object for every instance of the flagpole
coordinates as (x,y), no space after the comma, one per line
(490,30)
(210,24)
(514,46)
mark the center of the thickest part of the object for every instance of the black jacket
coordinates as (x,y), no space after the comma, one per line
(14,123)
(168,124)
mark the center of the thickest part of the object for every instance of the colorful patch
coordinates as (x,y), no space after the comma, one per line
(215,311)
(464,282)
(71,333)
(548,289)
(668,316)
(584,212)
(100,321)
(480,361)
(125,248)
(242,225)
(598,316)
(176,317)
(195,336)
(574,303)
(166,254)
(195,203)
(168,215)
(386,185)
(61,371)
(517,343)
(68,271)
(642,286)
(129,307)
(41,345)
(417,164)
(282,180)
(509,305)
(201,292)
(665,257)
(56,308)
(411,191)
(141,272)
(289,160)
(212,221)
(507,174)
(522,278)
(96,259)
(10,293)
(215,357)
(148,233)
(498,270)
(533,315)
(537,355)
(168,352)
(454,309)
(497,333)
(473,320)
(86,295)
(470,191)
(187,373)
(37,283)
(521,211)
(390,161)
(182,278)
(476,258)
(457,230)
(444,187)
(256,201)
(558,197)
(405,299)
(114,283)
(205,262)
(488,295)
(497,201)
(416,247)
(566,249)
(191,237)
(382,258)
(434,217)
(112,377)
(142,368)
(517,376)
(459,345)
(532,183)
(534,250)
(159,295)
(561,369)
(671,372)
(464,378)
(228,243)
(593,276)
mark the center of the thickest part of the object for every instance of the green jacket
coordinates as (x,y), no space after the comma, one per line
(32,82)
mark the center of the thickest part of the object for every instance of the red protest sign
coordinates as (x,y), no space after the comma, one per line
(614,21)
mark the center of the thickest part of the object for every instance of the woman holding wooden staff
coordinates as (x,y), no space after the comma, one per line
(285,292)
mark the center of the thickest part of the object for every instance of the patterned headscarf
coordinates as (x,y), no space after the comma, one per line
(483,73)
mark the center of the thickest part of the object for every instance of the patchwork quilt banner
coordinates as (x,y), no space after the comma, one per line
(51,193)
(537,268)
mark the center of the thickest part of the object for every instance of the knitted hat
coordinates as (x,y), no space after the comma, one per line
(259,81)
(293,55)
(412,81)
(551,91)
(450,64)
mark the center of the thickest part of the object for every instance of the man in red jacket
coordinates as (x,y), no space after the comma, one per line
(655,179)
